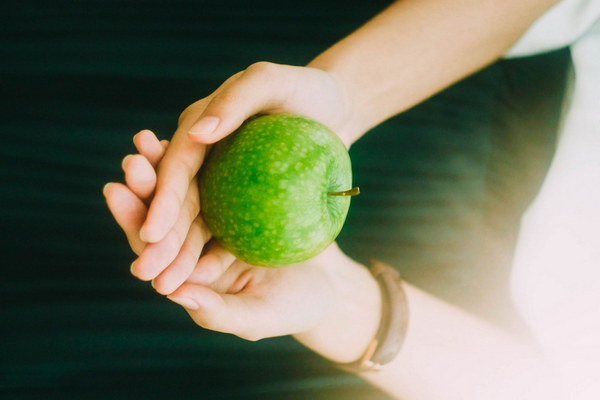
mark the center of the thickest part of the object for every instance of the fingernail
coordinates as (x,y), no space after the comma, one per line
(105,188)
(146,132)
(131,268)
(205,126)
(185,302)
(135,136)
(125,159)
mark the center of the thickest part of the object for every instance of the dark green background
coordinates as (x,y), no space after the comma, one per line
(443,187)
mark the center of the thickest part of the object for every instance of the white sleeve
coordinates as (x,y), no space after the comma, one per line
(556,269)
(560,26)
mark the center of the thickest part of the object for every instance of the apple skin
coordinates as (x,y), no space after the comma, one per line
(264,189)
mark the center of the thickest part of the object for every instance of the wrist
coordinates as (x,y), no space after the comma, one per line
(344,335)
(352,124)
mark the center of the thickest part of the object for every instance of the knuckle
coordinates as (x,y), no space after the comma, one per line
(189,110)
(232,79)
(223,102)
(177,239)
(173,192)
(261,67)
(187,169)
(192,206)
(183,115)
(203,231)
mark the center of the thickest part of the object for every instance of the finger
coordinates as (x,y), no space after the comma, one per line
(148,145)
(183,265)
(262,87)
(211,265)
(241,283)
(177,168)
(139,176)
(164,143)
(239,314)
(128,210)
(157,256)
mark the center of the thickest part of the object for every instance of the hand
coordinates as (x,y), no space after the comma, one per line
(177,254)
(256,302)
(261,88)
(209,284)
(251,302)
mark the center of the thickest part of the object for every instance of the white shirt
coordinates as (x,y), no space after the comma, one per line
(556,270)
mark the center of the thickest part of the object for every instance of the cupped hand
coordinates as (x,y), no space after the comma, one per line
(219,292)
(257,302)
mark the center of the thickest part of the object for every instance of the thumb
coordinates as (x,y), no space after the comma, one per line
(227,313)
(262,87)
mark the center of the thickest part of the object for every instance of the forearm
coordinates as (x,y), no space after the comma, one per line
(448,353)
(416,48)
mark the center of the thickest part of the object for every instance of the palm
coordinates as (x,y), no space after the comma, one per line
(256,302)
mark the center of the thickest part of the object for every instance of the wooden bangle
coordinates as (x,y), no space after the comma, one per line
(386,344)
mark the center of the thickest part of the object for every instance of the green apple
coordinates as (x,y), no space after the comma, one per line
(276,191)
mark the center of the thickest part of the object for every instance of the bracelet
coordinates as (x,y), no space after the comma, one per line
(386,344)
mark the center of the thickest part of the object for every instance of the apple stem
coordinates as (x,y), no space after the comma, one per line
(352,192)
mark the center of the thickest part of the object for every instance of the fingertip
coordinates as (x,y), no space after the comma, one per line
(161,286)
(140,173)
(146,132)
(136,137)
(143,133)
(133,270)
(139,269)
(106,188)
(125,159)
(144,236)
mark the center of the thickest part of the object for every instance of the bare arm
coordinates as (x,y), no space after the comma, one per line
(405,54)
(416,48)
(410,51)
(448,354)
